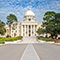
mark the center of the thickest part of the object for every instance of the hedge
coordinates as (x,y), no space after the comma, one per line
(2,40)
(46,39)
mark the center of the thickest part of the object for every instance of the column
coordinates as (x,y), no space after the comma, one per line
(34,30)
(31,30)
(21,30)
(25,31)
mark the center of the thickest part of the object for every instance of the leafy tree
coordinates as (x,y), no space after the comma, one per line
(40,31)
(51,23)
(57,18)
(57,22)
(58,28)
(10,19)
(50,28)
(48,17)
(2,29)
(54,26)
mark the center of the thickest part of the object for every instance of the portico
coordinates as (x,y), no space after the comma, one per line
(28,30)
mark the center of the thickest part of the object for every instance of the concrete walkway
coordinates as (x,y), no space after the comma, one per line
(30,53)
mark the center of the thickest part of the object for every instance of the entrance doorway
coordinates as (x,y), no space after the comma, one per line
(29,35)
(14,34)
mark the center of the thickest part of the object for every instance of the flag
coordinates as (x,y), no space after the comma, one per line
(30,2)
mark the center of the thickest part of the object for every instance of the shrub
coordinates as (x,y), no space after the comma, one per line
(2,40)
(19,37)
(46,39)
(7,36)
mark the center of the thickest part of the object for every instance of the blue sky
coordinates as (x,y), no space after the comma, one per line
(20,7)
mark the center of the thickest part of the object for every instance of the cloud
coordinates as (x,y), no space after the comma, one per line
(20,7)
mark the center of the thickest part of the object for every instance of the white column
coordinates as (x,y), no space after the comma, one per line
(31,30)
(21,30)
(34,30)
(25,30)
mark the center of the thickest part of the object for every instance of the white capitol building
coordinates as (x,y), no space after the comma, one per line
(27,27)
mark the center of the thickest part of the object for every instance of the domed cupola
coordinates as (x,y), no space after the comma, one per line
(29,15)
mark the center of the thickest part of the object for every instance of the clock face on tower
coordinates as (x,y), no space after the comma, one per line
(29,19)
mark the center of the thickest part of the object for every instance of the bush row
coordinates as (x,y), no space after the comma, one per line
(2,40)
(46,39)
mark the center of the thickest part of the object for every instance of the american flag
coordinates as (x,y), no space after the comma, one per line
(30,1)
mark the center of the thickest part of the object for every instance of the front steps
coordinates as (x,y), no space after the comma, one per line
(29,40)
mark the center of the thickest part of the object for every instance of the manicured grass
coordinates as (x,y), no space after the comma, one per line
(46,39)
(2,40)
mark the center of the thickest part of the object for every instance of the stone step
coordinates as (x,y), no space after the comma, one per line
(29,40)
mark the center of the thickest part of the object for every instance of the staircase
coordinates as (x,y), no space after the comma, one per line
(29,40)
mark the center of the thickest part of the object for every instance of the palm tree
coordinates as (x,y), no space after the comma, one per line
(10,19)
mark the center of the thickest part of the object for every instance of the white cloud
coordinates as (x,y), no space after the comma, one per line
(20,11)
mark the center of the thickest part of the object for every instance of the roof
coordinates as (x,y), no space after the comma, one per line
(29,13)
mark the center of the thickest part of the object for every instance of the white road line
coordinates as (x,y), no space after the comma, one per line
(36,53)
(23,53)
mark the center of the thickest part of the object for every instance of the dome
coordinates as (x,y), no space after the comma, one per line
(29,13)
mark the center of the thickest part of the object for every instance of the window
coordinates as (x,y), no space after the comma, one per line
(12,31)
(16,27)
(19,27)
(29,19)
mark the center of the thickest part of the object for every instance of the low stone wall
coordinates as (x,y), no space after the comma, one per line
(57,41)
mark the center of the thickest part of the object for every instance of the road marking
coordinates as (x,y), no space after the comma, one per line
(23,53)
(36,53)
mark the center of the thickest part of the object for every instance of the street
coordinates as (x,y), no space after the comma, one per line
(12,51)
(43,50)
(48,51)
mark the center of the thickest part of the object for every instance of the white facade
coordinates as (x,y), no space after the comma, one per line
(27,27)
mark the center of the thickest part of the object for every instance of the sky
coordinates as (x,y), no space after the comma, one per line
(20,7)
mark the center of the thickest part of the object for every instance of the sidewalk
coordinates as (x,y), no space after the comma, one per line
(30,53)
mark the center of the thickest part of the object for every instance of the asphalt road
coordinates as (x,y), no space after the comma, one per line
(12,52)
(48,51)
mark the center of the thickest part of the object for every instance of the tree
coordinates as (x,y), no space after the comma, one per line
(57,22)
(50,29)
(54,26)
(2,29)
(57,18)
(48,17)
(40,31)
(10,19)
